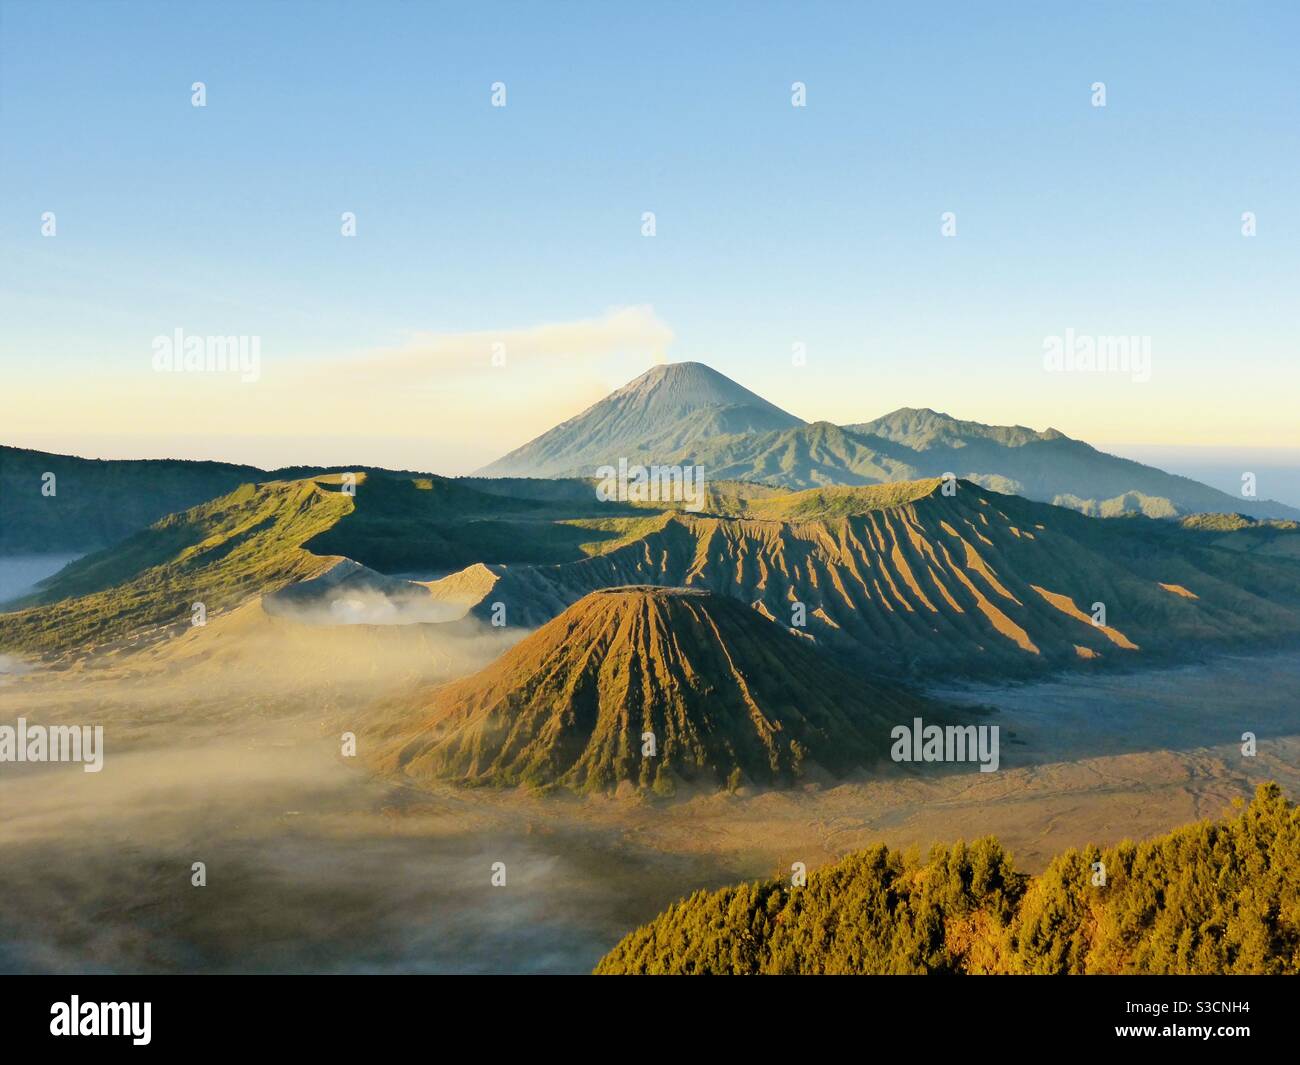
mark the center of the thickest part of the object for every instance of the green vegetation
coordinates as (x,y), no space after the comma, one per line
(259,538)
(1213,897)
(1237,532)
(1122,506)
(1217,522)
(897,577)
(218,554)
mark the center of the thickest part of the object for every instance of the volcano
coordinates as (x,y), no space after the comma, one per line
(653,686)
(670,409)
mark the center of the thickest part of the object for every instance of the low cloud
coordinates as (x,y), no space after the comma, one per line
(620,332)
(431,401)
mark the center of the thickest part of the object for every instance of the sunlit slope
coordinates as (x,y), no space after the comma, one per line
(260,538)
(219,554)
(90,504)
(904,577)
(727,696)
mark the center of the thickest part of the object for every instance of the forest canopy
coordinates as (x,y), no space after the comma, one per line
(1211,897)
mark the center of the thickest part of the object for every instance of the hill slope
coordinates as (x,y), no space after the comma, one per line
(99,502)
(1215,897)
(727,695)
(261,538)
(219,554)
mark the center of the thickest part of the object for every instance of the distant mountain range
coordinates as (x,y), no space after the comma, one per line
(891,571)
(687,413)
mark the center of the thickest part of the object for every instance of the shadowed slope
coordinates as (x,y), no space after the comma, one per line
(727,695)
(97,502)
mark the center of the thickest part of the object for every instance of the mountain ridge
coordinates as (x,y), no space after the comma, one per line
(902,578)
(720,431)
(100,502)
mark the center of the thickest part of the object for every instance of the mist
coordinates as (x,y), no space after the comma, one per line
(223,746)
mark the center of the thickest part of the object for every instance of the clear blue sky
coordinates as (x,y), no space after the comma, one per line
(775,224)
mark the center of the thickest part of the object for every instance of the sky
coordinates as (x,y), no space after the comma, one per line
(519,229)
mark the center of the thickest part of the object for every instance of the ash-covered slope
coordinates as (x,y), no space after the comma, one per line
(728,697)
